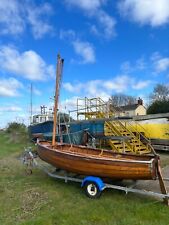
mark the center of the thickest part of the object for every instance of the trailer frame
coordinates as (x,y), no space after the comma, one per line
(87,182)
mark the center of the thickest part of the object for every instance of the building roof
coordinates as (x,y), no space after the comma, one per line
(128,107)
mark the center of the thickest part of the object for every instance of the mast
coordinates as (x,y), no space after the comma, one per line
(57,89)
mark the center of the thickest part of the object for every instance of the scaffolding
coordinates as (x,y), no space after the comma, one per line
(122,137)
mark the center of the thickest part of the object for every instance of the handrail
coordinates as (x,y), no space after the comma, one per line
(118,133)
(138,134)
(142,127)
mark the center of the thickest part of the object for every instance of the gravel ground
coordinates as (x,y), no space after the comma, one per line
(153,185)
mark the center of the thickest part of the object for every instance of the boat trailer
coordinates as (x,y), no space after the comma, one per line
(93,186)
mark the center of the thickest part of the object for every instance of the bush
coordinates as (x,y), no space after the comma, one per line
(17,132)
(15,127)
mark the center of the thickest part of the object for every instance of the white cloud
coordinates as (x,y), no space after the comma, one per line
(72,88)
(68,86)
(141,64)
(11,21)
(151,12)
(82,48)
(16,16)
(9,87)
(85,50)
(36,91)
(118,84)
(128,67)
(107,22)
(93,9)
(27,64)
(105,88)
(67,34)
(94,30)
(11,108)
(140,84)
(155,56)
(86,5)
(157,63)
(38,25)
(162,65)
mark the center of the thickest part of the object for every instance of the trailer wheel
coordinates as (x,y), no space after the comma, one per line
(92,190)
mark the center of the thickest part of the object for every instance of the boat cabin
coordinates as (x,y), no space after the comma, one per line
(41,118)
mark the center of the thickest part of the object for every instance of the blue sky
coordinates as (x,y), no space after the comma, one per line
(109,47)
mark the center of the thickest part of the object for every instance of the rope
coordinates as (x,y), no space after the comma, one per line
(67,133)
(67,129)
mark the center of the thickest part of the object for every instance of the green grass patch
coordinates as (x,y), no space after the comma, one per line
(11,143)
(41,200)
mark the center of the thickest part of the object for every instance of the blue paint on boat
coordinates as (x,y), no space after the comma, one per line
(44,127)
(95,128)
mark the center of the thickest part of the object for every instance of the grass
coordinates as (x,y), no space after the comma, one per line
(41,200)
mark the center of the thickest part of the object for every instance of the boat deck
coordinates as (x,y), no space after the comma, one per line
(100,153)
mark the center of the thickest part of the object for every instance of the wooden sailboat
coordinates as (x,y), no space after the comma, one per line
(95,162)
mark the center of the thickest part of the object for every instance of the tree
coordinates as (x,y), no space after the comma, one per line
(160,100)
(121,100)
(160,93)
(158,106)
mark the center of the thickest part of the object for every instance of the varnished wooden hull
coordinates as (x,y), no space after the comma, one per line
(95,162)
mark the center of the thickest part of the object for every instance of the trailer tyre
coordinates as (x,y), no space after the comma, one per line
(92,190)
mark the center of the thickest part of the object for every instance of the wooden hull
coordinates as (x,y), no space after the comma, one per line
(96,162)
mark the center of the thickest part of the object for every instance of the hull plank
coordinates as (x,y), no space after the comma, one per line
(88,161)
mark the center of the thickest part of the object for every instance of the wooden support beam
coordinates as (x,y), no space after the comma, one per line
(162,184)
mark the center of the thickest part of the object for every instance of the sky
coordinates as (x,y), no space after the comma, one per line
(109,47)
